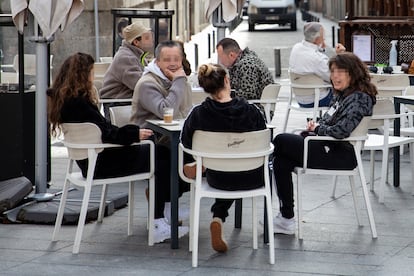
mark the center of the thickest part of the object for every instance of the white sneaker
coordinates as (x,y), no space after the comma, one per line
(283,225)
(162,230)
(183,213)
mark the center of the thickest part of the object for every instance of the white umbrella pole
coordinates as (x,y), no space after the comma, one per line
(96,10)
(41,121)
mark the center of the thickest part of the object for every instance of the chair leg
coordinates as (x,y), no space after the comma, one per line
(384,167)
(61,211)
(411,148)
(354,197)
(196,222)
(299,203)
(151,212)
(254,221)
(131,203)
(190,243)
(82,218)
(102,204)
(238,213)
(372,169)
(286,117)
(335,180)
(366,197)
(270,229)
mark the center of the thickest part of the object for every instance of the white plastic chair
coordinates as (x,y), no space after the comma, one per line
(305,85)
(230,152)
(357,138)
(106,59)
(9,77)
(268,100)
(383,116)
(100,69)
(83,140)
(120,115)
(390,85)
(407,126)
(198,95)
(30,65)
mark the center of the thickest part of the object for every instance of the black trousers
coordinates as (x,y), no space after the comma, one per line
(232,181)
(115,162)
(288,154)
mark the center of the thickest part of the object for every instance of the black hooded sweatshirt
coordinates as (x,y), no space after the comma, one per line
(234,116)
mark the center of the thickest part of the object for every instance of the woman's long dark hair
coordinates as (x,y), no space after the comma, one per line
(358,71)
(73,80)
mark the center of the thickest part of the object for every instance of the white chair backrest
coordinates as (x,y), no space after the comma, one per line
(304,85)
(389,85)
(120,115)
(106,59)
(81,133)
(9,77)
(362,128)
(382,107)
(270,92)
(198,97)
(230,144)
(100,69)
(29,64)
(409,91)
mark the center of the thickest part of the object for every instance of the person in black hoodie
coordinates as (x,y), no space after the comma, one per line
(222,113)
(72,99)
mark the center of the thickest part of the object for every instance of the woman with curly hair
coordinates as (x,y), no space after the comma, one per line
(354,98)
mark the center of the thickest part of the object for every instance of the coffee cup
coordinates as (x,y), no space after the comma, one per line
(168,115)
(396,69)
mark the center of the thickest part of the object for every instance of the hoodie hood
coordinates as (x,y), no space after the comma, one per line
(234,114)
(152,67)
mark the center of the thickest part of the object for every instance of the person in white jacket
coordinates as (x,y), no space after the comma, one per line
(311,56)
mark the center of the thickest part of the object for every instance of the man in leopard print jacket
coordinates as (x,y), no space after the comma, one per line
(248,73)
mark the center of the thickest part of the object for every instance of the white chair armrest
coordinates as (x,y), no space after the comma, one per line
(115,100)
(326,138)
(392,116)
(103,145)
(263,101)
(181,150)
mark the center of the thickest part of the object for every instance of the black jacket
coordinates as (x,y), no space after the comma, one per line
(80,110)
(112,162)
(234,116)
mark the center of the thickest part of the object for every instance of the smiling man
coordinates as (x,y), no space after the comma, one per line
(163,84)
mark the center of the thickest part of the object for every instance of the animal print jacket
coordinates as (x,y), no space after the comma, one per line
(249,75)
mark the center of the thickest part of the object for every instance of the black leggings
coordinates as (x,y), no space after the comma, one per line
(115,162)
(288,154)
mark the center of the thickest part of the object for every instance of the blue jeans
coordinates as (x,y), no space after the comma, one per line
(322,102)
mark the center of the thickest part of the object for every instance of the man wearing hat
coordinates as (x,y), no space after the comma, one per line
(311,56)
(128,63)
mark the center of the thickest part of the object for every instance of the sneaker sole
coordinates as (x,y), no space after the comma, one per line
(283,231)
(217,241)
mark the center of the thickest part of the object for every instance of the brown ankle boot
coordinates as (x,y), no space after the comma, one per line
(190,170)
(217,238)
